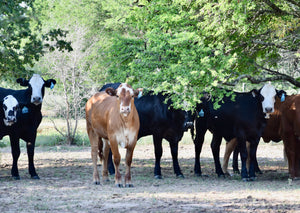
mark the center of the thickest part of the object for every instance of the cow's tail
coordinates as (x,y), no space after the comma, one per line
(100,149)
(192,133)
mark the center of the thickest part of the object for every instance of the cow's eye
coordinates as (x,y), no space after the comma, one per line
(4,107)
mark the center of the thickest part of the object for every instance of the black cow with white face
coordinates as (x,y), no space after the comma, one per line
(244,119)
(160,120)
(28,119)
(10,107)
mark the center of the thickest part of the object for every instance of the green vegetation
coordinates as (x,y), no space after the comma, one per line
(179,47)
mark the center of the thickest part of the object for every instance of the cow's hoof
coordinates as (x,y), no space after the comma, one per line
(221,176)
(35,177)
(129,185)
(198,174)
(245,179)
(97,182)
(236,171)
(180,176)
(16,177)
(119,185)
(157,176)
(252,178)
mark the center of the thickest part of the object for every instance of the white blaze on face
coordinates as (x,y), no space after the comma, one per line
(125,100)
(268,92)
(125,137)
(36,82)
(10,104)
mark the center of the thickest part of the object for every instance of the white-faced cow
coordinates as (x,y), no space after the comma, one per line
(244,119)
(112,120)
(29,118)
(10,107)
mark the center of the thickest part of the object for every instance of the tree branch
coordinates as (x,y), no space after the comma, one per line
(276,76)
(275,8)
(294,2)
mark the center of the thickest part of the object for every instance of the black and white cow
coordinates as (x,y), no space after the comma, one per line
(160,120)
(10,107)
(29,119)
(244,119)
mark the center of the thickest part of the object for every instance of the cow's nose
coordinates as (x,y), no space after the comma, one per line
(189,124)
(269,109)
(125,109)
(11,119)
(36,99)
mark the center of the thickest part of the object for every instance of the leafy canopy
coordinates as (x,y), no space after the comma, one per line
(21,44)
(187,47)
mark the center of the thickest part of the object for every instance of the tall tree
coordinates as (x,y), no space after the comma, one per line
(20,43)
(191,46)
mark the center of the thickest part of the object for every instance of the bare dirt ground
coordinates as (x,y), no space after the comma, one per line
(66,184)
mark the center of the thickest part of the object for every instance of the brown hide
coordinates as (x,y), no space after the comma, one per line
(289,131)
(107,128)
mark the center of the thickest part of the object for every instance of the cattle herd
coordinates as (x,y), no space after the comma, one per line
(118,115)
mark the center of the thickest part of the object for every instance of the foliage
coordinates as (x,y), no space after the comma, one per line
(186,47)
(20,44)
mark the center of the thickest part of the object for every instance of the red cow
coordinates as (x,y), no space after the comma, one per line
(112,120)
(283,124)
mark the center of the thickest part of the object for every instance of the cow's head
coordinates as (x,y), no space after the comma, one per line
(267,96)
(37,86)
(10,107)
(125,95)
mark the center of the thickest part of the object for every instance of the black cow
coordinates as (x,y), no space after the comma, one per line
(243,118)
(29,118)
(160,120)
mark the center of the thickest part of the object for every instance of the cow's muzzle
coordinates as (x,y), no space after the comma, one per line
(188,125)
(125,110)
(10,121)
(36,100)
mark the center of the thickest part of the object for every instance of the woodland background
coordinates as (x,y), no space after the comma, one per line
(181,47)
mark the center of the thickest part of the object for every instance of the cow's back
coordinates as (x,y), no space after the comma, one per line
(98,109)
(234,117)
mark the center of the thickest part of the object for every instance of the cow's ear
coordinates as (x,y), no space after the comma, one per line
(138,92)
(111,91)
(281,94)
(255,93)
(50,83)
(23,82)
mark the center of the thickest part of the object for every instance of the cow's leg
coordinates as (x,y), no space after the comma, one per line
(106,150)
(230,146)
(244,155)
(157,141)
(111,168)
(215,147)
(256,167)
(30,153)
(198,143)
(116,160)
(291,155)
(15,150)
(252,158)
(235,163)
(94,140)
(174,153)
(128,161)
